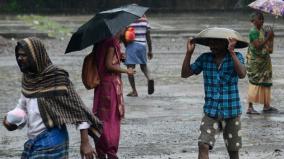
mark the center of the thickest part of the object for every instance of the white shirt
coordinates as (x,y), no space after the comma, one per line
(34,121)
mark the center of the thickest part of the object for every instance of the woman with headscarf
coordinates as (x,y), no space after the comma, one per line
(259,68)
(50,102)
(108,98)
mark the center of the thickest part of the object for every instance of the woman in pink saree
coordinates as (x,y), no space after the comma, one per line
(108,99)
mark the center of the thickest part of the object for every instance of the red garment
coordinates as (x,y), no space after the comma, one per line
(108,100)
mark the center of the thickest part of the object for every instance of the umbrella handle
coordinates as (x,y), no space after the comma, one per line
(276,17)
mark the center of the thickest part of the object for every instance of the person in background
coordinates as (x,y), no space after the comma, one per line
(47,103)
(108,98)
(136,53)
(259,68)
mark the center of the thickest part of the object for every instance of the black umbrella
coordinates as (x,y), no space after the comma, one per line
(105,24)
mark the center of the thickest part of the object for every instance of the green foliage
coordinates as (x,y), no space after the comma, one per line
(43,23)
(246,2)
(11,6)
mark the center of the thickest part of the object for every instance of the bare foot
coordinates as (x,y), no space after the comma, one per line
(132,94)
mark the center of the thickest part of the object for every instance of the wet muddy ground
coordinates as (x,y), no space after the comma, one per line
(165,124)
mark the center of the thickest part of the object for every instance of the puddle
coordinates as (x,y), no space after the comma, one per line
(279,119)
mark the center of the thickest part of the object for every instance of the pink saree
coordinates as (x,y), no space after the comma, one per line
(108,100)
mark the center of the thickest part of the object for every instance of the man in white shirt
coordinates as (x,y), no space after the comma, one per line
(49,102)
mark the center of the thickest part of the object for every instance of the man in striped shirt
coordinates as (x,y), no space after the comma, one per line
(136,53)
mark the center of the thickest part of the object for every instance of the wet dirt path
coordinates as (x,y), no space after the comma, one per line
(165,124)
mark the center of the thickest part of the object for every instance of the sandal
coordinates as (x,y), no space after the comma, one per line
(252,111)
(132,94)
(270,110)
(151,86)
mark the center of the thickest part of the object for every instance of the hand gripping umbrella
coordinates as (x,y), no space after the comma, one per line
(103,25)
(274,7)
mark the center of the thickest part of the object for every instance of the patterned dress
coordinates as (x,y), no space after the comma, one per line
(259,69)
(108,100)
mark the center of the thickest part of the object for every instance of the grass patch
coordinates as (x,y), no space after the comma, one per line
(43,23)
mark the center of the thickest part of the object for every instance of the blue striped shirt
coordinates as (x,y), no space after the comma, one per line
(220,85)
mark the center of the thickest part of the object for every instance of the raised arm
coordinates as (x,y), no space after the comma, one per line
(186,70)
(259,44)
(238,66)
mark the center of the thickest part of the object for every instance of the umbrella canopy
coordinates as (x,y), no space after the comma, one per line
(206,35)
(132,8)
(105,24)
(275,7)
